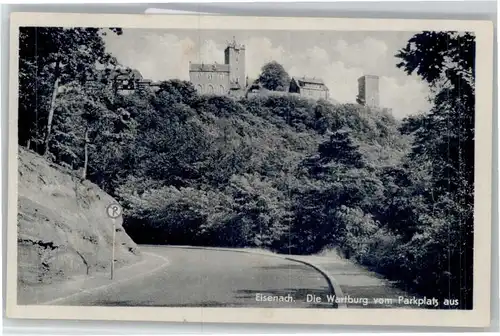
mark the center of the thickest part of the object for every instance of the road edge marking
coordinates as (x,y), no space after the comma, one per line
(332,282)
(90,290)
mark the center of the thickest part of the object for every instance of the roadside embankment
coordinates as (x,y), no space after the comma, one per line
(63,228)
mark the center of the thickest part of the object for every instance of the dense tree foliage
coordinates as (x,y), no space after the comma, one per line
(50,58)
(279,172)
(444,145)
(274,77)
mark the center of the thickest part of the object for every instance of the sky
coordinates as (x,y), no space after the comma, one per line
(338,57)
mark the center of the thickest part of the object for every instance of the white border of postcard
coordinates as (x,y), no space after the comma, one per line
(478,317)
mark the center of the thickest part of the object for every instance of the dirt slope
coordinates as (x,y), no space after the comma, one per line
(63,229)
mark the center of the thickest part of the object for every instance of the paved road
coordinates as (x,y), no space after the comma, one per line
(209,278)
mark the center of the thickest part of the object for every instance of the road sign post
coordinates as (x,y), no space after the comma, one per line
(113,249)
(114,211)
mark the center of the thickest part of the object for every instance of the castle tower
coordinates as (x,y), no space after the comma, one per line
(368,88)
(234,55)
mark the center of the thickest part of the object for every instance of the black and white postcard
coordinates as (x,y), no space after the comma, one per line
(205,168)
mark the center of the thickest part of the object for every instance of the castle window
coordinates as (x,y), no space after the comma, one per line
(222,90)
(209,76)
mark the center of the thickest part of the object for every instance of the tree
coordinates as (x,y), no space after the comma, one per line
(178,91)
(335,155)
(55,56)
(262,211)
(444,141)
(446,135)
(438,56)
(274,77)
(90,134)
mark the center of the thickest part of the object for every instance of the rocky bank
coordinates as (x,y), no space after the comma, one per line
(63,228)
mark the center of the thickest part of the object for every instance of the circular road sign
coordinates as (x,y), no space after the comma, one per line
(114,210)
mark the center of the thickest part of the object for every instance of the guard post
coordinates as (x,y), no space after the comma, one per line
(114,211)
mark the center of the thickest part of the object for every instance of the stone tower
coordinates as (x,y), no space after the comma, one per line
(368,88)
(235,56)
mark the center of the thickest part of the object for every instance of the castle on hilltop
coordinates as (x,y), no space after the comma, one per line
(230,79)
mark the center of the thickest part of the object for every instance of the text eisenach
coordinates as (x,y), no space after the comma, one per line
(273,298)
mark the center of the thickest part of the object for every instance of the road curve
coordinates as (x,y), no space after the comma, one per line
(212,278)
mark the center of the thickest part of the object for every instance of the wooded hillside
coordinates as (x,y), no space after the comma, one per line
(276,172)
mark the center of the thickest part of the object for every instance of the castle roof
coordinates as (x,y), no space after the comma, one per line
(215,67)
(301,81)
